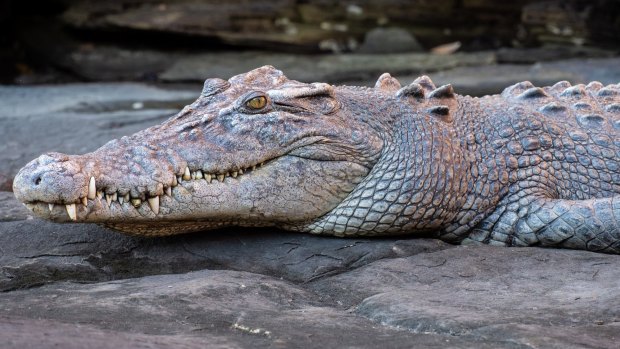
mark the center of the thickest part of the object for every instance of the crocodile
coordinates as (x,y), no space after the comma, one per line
(532,166)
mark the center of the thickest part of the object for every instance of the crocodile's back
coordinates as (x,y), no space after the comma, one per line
(547,167)
(563,140)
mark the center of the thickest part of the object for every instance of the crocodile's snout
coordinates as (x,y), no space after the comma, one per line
(52,177)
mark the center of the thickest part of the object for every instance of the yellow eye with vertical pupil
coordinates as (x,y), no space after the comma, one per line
(257,102)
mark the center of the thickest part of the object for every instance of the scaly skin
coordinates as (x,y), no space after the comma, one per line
(532,166)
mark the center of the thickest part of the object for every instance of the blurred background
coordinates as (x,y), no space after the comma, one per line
(172,41)
(103,69)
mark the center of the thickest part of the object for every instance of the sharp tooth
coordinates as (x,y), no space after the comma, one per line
(208,177)
(253,167)
(30,206)
(199,174)
(169,191)
(99,195)
(114,196)
(108,199)
(71,211)
(179,179)
(186,175)
(240,171)
(85,201)
(154,204)
(193,175)
(126,197)
(234,174)
(92,189)
(136,202)
(174,181)
(220,177)
(121,199)
(261,164)
(51,206)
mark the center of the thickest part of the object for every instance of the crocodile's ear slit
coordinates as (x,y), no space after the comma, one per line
(445,91)
(441,112)
(414,90)
(387,83)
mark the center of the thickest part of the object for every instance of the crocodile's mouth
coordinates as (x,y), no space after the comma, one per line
(102,200)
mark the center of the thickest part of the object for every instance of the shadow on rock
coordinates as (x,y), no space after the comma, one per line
(36,252)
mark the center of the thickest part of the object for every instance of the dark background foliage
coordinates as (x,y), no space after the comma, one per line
(81,40)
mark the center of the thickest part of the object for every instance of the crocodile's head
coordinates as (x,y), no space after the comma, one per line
(256,150)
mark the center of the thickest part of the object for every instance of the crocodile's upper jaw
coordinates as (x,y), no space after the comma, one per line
(215,163)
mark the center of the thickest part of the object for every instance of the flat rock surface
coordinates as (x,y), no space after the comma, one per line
(469,288)
(20,332)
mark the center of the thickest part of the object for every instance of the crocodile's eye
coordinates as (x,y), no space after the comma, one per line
(257,103)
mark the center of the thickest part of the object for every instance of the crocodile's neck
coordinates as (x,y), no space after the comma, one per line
(419,183)
(487,172)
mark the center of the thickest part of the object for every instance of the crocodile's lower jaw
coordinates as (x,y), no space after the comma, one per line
(152,228)
(131,227)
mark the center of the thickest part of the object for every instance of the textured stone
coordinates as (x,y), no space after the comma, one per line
(20,332)
(211,307)
(470,290)
(465,297)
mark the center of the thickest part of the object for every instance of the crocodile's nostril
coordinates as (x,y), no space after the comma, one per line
(37,180)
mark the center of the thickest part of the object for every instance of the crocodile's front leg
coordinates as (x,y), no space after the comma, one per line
(592,224)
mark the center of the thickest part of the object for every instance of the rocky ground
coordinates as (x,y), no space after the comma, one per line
(79,285)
